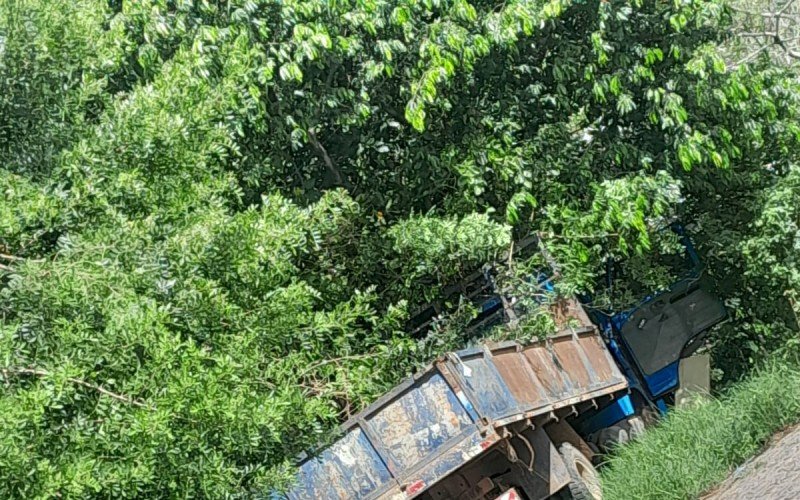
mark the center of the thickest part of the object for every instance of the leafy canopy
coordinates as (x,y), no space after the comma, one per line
(217,216)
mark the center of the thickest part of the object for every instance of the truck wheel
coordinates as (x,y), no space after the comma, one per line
(584,482)
(611,437)
(637,427)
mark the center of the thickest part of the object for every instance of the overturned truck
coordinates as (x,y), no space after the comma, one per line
(519,421)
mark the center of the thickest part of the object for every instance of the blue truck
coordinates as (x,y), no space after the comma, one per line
(509,420)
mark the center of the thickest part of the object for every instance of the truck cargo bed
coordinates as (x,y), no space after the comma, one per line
(443,417)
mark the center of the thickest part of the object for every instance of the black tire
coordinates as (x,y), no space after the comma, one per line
(636,427)
(612,437)
(584,481)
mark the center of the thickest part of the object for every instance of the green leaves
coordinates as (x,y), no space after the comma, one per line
(291,71)
(445,247)
(516,203)
(27,212)
(56,63)
(773,250)
(415,114)
(214,209)
(625,104)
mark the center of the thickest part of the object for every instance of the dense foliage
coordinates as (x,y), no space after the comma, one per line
(217,216)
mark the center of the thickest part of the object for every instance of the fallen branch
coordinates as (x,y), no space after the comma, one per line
(783,9)
(762,34)
(553,236)
(38,372)
(765,14)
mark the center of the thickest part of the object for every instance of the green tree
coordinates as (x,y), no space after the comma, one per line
(218,216)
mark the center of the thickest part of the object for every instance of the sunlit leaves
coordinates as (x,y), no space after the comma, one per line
(625,104)
(291,71)
(431,245)
(218,206)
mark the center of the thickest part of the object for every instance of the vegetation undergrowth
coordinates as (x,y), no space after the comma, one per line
(695,448)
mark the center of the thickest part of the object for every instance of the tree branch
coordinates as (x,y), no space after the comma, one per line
(752,55)
(784,8)
(38,372)
(741,10)
(765,13)
(323,153)
(324,362)
(768,34)
(14,258)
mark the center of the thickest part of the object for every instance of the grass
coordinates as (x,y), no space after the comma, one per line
(694,449)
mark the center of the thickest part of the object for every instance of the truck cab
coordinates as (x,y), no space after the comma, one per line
(654,343)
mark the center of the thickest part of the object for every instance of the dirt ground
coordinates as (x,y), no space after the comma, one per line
(772,475)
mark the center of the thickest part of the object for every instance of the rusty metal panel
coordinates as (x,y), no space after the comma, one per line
(570,360)
(573,366)
(519,376)
(487,389)
(598,356)
(447,461)
(419,423)
(351,468)
(543,363)
(508,381)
